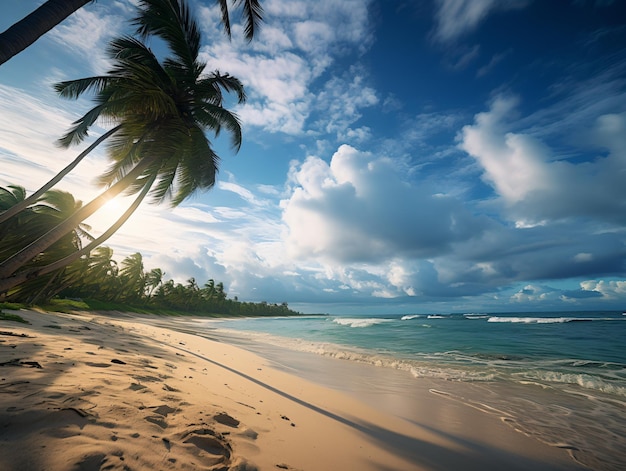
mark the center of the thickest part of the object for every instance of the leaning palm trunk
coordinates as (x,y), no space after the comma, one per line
(32,199)
(28,30)
(12,281)
(16,261)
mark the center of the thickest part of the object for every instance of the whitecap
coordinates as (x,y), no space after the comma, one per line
(531,320)
(359,322)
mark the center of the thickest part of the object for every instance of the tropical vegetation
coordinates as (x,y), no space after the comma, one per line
(161,111)
(98,278)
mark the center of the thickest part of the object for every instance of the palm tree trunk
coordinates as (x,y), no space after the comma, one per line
(10,282)
(22,205)
(19,259)
(29,29)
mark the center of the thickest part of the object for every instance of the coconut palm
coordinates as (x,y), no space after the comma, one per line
(26,31)
(154,279)
(10,196)
(38,271)
(53,12)
(52,207)
(163,110)
(98,271)
(133,279)
(27,201)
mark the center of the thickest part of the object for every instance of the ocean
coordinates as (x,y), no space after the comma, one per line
(557,376)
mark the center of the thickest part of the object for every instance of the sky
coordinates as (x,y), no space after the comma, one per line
(418,156)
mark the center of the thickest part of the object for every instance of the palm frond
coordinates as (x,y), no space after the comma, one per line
(172,21)
(225,16)
(252,13)
(73,89)
(213,83)
(81,128)
(215,117)
(198,167)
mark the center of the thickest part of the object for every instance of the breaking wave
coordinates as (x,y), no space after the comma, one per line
(360,323)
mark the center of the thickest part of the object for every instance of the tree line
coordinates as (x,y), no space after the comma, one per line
(159,112)
(97,275)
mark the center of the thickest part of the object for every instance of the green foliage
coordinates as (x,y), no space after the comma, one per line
(161,110)
(98,285)
(5,316)
(65,305)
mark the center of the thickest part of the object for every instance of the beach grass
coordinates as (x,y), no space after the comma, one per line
(5,316)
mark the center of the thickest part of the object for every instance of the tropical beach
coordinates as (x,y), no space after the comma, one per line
(356,235)
(95,391)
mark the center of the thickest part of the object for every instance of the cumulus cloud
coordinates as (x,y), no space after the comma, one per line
(280,69)
(359,208)
(535,183)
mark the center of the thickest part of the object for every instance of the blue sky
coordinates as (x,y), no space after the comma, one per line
(399,156)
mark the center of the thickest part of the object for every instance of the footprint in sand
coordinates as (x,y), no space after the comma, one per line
(157,420)
(208,445)
(225,419)
(161,412)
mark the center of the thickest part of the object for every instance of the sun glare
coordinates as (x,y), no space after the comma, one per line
(107,214)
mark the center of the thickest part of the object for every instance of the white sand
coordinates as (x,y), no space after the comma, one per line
(97,392)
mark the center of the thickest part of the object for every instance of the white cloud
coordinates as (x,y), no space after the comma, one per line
(300,43)
(534,294)
(313,37)
(458,17)
(615,289)
(86,32)
(538,185)
(514,164)
(340,104)
(29,128)
(349,210)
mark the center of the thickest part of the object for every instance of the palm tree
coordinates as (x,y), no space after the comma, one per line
(53,12)
(208,292)
(10,196)
(29,29)
(132,277)
(99,270)
(163,110)
(25,202)
(154,279)
(52,207)
(24,275)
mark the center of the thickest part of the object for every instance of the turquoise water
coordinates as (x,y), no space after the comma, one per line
(558,376)
(587,348)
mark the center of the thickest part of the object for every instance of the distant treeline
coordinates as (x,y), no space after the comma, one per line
(128,283)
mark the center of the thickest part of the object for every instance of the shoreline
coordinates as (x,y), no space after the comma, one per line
(126,392)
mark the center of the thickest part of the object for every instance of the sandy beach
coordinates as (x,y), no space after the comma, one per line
(115,392)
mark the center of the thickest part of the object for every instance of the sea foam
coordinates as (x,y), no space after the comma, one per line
(355,322)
